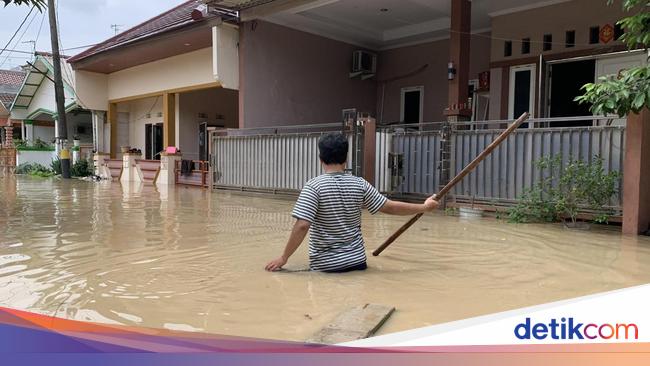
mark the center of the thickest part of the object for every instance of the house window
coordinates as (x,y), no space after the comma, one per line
(548,42)
(618,31)
(594,35)
(507,49)
(525,46)
(570,39)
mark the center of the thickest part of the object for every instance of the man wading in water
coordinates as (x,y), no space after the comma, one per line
(330,206)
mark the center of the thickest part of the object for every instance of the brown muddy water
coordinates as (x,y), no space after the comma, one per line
(189,259)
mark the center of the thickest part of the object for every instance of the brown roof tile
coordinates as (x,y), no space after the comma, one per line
(12,77)
(175,18)
(10,83)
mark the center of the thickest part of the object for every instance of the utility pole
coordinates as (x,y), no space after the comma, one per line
(59,95)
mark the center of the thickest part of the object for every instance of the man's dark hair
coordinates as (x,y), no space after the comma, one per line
(333,148)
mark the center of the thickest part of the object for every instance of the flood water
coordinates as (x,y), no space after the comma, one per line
(190,259)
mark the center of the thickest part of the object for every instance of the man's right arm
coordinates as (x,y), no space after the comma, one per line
(403,208)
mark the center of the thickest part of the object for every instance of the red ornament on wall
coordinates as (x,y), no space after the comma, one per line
(484,80)
(606,33)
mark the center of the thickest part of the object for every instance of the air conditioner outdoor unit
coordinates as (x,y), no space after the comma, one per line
(364,64)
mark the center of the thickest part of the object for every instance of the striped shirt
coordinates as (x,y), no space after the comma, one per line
(332,203)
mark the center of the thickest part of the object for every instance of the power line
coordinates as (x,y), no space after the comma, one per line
(18,30)
(20,38)
(41,25)
(15,50)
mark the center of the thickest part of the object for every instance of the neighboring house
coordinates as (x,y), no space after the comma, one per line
(35,106)
(10,83)
(163,82)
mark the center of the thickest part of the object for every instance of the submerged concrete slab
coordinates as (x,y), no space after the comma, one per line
(356,323)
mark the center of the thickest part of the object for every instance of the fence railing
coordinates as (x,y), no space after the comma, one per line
(509,170)
(407,156)
(280,159)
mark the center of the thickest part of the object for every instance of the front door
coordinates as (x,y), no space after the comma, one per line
(153,135)
(522,91)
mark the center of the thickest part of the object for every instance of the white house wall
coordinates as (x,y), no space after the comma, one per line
(139,112)
(92,90)
(182,71)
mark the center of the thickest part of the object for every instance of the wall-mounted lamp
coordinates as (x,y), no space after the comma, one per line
(451,70)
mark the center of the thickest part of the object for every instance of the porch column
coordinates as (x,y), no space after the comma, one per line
(457,94)
(9,136)
(169,116)
(112,120)
(29,130)
(636,174)
(459,43)
(99,119)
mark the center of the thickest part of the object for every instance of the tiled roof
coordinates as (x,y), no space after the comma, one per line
(10,83)
(12,77)
(6,99)
(175,18)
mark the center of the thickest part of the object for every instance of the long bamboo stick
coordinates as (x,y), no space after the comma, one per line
(455,181)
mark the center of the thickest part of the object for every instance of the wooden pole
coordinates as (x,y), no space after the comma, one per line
(455,181)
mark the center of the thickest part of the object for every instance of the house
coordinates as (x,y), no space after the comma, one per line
(263,64)
(10,83)
(290,63)
(34,109)
(163,82)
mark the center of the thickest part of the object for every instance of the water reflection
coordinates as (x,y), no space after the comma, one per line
(186,258)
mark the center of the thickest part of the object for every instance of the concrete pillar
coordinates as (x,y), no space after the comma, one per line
(636,174)
(369,149)
(100,168)
(167,177)
(29,130)
(459,52)
(458,108)
(99,120)
(130,171)
(9,136)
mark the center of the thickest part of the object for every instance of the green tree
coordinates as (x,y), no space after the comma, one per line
(39,4)
(630,90)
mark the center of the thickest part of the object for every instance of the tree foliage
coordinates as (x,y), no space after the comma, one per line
(39,4)
(629,91)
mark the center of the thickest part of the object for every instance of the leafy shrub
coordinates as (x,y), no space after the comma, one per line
(566,190)
(24,168)
(34,169)
(81,168)
(56,165)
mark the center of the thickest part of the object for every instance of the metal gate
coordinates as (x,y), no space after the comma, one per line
(414,156)
(278,160)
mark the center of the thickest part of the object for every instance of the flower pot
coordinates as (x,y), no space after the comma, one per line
(469,212)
